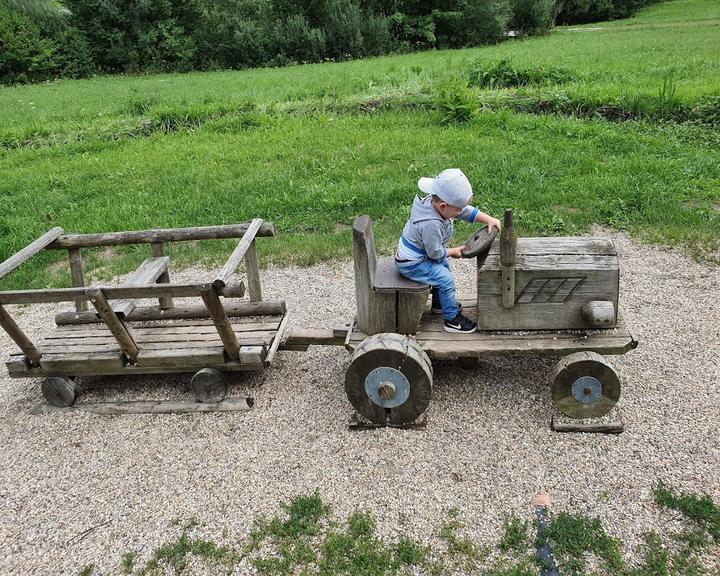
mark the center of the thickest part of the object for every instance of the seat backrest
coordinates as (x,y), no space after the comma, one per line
(364,250)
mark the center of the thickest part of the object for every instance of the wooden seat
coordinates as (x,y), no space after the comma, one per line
(147,273)
(386,302)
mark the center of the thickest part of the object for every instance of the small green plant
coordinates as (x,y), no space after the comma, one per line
(457,103)
(128,561)
(504,74)
(88,570)
(515,536)
(702,510)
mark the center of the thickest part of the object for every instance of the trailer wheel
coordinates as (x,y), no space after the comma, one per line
(59,391)
(584,385)
(208,385)
(389,380)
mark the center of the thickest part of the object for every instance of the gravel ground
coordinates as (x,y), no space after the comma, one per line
(486,450)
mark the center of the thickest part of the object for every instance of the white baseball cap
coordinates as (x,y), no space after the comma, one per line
(451,186)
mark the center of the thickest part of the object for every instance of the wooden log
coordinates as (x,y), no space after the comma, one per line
(238,254)
(158,251)
(508,249)
(254,355)
(220,318)
(29,251)
(159,235)
(252,271)
(208,385)
(19,337)
(112,292)
(78,276)
(142,313)
(600,313)
(149,407)
(59,390)
(147,273)
(117,327)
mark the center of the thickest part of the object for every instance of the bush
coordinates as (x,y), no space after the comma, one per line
(583,11)
(532,16)
(297,41)
(456,103)
(342,25)
(504,74)
(24,54)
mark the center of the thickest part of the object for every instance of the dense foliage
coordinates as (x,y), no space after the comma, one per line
(42,40)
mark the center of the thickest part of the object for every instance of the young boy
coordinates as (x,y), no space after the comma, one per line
(422,253)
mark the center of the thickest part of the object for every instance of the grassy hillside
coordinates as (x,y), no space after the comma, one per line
(310,147)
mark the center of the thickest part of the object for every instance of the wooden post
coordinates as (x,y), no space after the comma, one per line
(238,254)
(16,333)
(78,276)
(253,273)
(508,250)
(158,250)
(221,321)
(117,327)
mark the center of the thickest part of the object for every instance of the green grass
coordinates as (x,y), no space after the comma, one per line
(306,538)
(312,147)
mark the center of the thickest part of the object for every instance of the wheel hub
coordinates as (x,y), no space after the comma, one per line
(387,387)
(587,389)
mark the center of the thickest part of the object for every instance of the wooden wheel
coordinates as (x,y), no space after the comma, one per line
(389,380)
(59,390)
(208,386)
(585,385)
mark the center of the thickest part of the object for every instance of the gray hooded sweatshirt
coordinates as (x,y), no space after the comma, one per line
(427,233)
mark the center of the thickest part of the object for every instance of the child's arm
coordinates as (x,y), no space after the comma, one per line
(489,220)
(472,214)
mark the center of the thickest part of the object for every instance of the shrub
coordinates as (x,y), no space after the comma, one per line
(456,103)
(505,74)
(24,54)
(342,23)
(296,40)
(532,16)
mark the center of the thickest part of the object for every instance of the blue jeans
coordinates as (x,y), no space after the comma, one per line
(437,274)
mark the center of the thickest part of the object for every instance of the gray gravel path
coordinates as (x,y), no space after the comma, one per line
(486,450)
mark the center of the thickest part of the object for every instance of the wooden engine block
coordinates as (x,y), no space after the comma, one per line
(559,283)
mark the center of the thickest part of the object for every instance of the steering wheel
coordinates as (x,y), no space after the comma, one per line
(479,242)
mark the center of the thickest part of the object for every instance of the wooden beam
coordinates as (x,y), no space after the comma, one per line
(199,311)
(252,271)
(238,254)
(112,292)
(148,407)
(29,251)
(78,276)
(158,251)
(117,327)
(159,235)
(19,337)
(147,273)
(221,321)
(277,340)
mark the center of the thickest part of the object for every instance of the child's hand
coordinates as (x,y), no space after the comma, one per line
(493,223)
(455,252)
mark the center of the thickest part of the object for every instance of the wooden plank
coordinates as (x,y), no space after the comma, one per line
(148,407)
(112,292)
(238,254)
(70,346)
(277,340)
(78,276)
(141,313)
(118,329)
(376,311)
(162,333)
(29,251)
(617,426)
(410,307)
(563,245)
(388,279)
(19,337)
(200,323)
(73,363)
(147,273)
(158,251)
(159,235)
(561,262)
(252,271)
(182,357)
(217,313)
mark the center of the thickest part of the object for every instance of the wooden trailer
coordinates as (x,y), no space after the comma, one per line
(111,332)
(536,296)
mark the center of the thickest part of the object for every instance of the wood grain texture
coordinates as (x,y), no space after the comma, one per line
(29,251)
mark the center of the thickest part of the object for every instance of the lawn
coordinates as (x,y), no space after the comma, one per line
(296,146)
